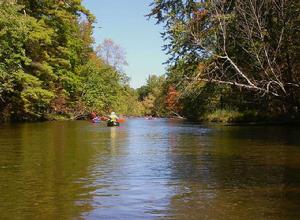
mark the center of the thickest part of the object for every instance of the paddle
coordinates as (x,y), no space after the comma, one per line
(121,120)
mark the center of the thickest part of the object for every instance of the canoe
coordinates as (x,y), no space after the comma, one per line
(96,120)
(112,123)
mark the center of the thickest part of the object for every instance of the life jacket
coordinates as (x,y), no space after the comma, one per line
(113,118)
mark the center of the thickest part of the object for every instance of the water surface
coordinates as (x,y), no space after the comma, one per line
(149,169)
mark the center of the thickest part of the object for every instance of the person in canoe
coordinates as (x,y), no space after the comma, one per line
(113,117)
(96,119)
(113,120)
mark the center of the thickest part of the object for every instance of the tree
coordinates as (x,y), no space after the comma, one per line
(21,93)
(149,103)
(48,65)
(243,44)
(172,100)
(113,54)
(152,95)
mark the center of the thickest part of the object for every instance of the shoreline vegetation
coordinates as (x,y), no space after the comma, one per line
(249,118)
(226,117)
(233,61)
(229,63)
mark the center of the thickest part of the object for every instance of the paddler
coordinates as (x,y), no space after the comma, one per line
(113,117)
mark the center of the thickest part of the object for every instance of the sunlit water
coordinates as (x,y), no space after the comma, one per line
(148,169)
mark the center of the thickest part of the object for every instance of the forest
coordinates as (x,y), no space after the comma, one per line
(232,60)
(50,68)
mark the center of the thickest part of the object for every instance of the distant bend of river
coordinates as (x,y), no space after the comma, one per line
(149,169)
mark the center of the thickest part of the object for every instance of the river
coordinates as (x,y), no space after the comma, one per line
(149,169)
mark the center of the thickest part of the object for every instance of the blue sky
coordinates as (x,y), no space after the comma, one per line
(125,23)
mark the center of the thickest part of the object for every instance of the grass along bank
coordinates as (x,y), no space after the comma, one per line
(234,116)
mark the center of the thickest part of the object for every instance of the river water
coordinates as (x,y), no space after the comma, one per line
(149,169)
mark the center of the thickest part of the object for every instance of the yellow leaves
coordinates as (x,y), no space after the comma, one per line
(201,67)
(148,103)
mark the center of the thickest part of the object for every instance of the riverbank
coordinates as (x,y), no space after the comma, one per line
(231,117)
(249,117)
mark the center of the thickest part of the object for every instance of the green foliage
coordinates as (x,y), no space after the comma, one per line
(6,83)
(149,103)
(100,86)
(222,115)
(224,43)
(14,31)
(36,101)
(48,68)
(152,96)
(128,102)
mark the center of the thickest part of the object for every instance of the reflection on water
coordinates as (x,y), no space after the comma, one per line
(156,169)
